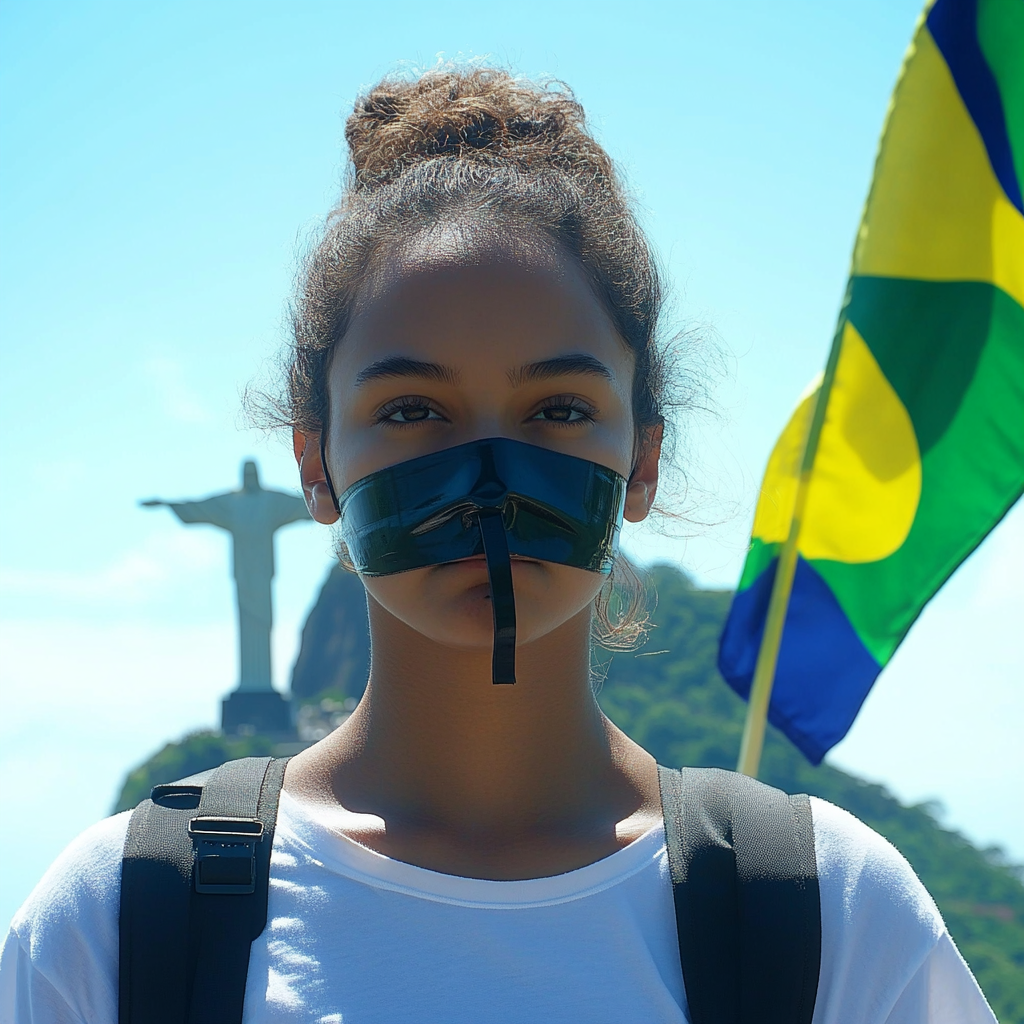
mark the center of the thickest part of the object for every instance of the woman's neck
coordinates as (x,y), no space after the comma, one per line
(441,767)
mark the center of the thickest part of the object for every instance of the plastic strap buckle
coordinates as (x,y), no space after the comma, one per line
(225,854)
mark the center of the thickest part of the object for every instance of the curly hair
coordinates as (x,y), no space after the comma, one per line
(478,144)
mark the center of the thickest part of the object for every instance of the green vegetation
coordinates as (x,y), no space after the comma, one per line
(670,698)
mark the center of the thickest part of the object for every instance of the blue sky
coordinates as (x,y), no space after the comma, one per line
(163,163)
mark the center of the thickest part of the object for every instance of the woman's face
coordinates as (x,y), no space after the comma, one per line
(440,351)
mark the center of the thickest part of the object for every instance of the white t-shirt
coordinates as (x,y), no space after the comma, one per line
(354,937)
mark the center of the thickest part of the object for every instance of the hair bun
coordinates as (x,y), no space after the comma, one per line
(481,114)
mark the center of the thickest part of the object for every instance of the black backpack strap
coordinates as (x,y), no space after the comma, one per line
(745,885)
(194,888)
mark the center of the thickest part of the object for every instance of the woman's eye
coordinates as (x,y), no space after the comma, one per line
(401,413)
(565,412)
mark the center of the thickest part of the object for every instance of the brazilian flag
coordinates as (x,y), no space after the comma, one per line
(921,449)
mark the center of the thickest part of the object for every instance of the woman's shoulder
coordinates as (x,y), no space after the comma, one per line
(885,952)
(860,872)
(61,950)
(87,873)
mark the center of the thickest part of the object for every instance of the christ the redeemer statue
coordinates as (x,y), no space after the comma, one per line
(252,516)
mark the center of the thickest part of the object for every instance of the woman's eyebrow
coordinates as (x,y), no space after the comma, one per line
(401,366)
(559,366)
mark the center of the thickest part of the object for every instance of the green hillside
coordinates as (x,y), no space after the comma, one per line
(193,754)
(670,698)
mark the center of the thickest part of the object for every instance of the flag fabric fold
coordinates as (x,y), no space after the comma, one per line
(922,448)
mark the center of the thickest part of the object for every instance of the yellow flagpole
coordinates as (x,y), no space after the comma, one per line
(768,654)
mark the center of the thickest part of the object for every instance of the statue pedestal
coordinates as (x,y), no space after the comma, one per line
(255,711)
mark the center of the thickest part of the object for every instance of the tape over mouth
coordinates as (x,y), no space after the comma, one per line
(495,497)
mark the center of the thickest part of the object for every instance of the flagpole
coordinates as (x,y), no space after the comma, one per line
(768,654)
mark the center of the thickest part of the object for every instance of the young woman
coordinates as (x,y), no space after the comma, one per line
(459,850)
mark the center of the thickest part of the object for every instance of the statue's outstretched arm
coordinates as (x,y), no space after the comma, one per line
(214,511)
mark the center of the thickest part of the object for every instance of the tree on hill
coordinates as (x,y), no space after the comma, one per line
(670,698)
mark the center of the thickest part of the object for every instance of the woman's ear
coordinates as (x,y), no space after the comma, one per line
(643,481)
(315,488)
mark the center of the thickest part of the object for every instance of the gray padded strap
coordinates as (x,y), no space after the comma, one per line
(156,885)
(223,925)
(184,954)
(233,789)
(745,887)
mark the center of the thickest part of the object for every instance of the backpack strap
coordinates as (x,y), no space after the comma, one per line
(195,880)
(745,886)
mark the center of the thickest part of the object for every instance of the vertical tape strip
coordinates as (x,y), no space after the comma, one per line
(503,602)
